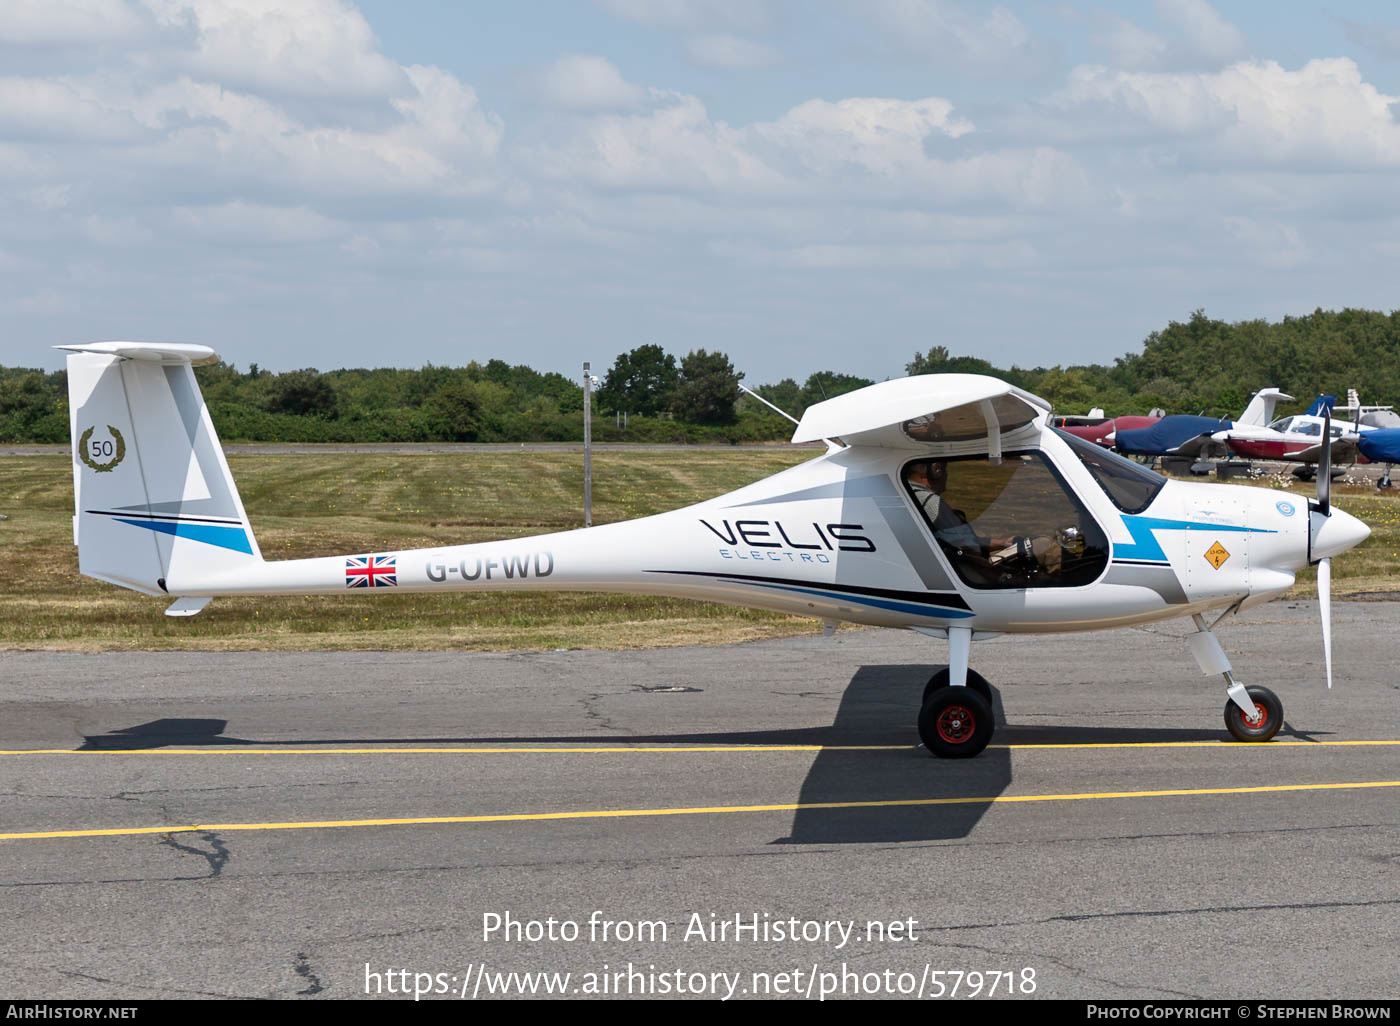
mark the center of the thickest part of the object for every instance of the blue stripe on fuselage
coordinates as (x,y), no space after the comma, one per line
(880,603)
(1145,545)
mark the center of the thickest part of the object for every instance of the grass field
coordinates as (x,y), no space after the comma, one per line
(326,504)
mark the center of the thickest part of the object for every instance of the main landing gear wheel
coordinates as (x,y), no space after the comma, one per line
(955,723)
(1264,724)
(975,681)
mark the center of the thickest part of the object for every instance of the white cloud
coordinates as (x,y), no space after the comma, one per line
(674,146)
(70,22)
(581,82)
(1205,32)
(881,136)
(62,109)
(307,48)
(747,16)
(986,42)
(730,53)
(256,224)
(1321,116)
(1131,45)
(1268,243)
(1203,39)
(868,151)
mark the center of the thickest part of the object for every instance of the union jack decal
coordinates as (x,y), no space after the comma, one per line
(371,571)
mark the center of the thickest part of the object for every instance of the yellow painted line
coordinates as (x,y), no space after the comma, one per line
(669,749)
(526,817)
(611,750)
(1199,744)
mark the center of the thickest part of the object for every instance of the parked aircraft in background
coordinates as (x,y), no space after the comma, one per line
(1103,431)
(1381,446)
(945,504)
(1195,437)
(1298,439)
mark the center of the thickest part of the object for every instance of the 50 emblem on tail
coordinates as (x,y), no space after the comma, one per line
(114,450)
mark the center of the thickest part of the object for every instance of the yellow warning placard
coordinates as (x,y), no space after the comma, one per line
(1216,555)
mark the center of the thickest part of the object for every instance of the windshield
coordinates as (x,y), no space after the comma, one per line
(1131,486)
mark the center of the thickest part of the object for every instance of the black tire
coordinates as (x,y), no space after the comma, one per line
(955,723)
(975,681)
(1269,707)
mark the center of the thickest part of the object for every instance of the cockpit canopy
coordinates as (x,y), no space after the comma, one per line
(912,413)
(1305,426)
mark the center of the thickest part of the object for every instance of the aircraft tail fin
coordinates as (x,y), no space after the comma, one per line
(1322,402)
(1260,411)
(151,486)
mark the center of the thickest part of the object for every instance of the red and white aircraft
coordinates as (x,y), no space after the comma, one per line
(1298,439)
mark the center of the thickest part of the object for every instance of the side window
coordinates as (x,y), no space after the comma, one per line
(1308,429)
(1015,525)
(1131,486)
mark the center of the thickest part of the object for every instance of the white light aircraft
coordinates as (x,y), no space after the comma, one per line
(944,504)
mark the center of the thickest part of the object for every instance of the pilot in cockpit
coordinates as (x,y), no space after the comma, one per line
(928,480)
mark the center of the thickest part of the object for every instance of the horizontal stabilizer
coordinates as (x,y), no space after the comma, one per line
(187,606)
(169,353)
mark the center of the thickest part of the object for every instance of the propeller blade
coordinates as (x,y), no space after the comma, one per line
(1324,601)
(1324,467)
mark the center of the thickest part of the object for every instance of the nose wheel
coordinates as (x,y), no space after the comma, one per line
(1263,724)
(955,723)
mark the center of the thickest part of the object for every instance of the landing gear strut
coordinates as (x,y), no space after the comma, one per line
(1253,713)
(975,681)
(955,721)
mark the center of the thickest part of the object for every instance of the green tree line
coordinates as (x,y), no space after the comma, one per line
(1192,366)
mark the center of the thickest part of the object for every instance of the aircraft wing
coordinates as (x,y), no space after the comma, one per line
(1344,450)
(911,413)
(1194,446)
(1177,435)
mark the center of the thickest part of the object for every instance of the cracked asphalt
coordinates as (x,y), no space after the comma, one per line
(200,786)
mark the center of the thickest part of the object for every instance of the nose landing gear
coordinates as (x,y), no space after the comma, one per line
(1253,713)
(1263,724)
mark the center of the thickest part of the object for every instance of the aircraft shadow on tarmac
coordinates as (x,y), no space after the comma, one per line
(878,708)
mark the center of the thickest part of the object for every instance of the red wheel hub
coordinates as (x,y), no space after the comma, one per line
(956,724)
(1260,717)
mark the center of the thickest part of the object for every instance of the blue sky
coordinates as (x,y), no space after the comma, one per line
(816,185)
